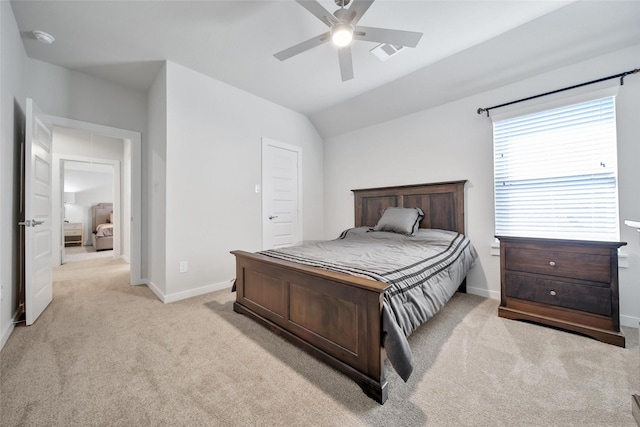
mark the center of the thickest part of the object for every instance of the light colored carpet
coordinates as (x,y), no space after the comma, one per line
(84,253)
(106,353)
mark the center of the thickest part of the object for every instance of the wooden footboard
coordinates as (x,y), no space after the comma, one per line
(334,317)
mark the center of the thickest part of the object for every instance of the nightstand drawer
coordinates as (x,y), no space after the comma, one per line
(592,299)
(73,234)
(574,265)
(569,284)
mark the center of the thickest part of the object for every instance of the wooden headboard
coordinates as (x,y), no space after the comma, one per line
(100,214)
(442,204)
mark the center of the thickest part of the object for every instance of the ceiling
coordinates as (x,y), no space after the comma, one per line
(88,167)
(467,46)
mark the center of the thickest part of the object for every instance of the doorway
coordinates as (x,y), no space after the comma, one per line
(85,186)
(127,188)
(42,206)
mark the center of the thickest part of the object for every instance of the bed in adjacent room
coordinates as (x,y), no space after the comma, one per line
(353,301)
(102,226)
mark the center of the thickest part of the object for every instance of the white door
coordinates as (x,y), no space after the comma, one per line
(37,214)
(281,223)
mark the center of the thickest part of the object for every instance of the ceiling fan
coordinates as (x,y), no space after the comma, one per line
(343,29)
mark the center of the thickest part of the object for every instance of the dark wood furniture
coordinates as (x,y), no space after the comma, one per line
(337,317)
(567,284)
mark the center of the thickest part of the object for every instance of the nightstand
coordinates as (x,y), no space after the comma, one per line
(567,284)
(73,234)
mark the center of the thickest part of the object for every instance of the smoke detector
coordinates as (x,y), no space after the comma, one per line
(43,37)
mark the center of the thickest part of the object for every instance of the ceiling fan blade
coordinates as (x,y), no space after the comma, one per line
(346,65)
(383,35)
(318,11)
(302,47)
(359,7)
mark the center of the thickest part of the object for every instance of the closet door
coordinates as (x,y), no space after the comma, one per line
(281,224)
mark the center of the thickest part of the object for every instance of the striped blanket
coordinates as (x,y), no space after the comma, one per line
(423,271)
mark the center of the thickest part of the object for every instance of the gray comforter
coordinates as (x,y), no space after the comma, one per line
(424,271)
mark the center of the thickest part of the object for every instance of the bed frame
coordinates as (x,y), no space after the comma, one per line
(332,316)
(100,214)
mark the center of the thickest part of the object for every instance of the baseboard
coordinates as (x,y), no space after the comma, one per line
(158,293)
(125,258)
(197,291)
(177,296)
(629,321)
(483,293)
(6,335)
(635,408)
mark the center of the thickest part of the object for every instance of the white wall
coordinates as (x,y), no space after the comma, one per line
(452,142)
(85,144)
(13,62)
(154,160)
(126,193)
(74,95)
(213,162)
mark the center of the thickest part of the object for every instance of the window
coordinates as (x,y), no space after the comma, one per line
(555,173)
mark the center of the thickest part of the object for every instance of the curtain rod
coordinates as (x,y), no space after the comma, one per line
(621,76)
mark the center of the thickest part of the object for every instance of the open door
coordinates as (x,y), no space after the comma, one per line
(38,273)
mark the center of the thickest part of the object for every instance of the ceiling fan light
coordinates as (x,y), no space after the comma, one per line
(342,34)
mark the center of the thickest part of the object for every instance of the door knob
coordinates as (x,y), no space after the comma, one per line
(273,216)
(30,223)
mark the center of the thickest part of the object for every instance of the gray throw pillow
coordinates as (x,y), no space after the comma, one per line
(400,220)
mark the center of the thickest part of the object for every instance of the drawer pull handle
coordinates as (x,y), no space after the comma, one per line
(553,293)
(552,263)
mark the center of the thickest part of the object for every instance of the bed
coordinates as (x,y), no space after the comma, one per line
(102,226)
(342,319)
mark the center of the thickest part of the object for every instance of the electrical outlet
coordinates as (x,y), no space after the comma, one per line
(183,266)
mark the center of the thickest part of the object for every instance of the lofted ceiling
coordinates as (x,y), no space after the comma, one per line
(467,46)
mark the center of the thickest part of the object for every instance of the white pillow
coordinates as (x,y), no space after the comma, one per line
(400,220)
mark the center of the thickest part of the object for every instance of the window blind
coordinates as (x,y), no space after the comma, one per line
(555,173)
